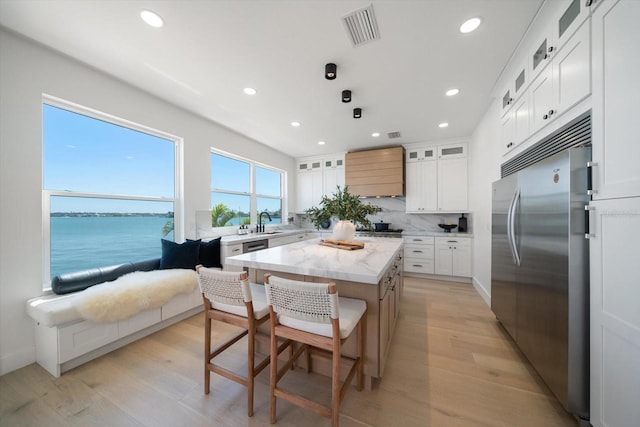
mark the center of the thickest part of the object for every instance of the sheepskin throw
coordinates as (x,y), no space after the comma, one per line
(133,293)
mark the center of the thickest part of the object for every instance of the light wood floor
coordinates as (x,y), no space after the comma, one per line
(451,364)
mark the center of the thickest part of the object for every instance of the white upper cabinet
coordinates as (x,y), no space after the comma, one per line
(318,176)
(569,17)
(309,182)
(332,174)
(436,179)
(557,75)
(421,185)
(452,184)
(616,99)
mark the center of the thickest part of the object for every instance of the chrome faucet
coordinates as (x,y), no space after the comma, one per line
(260,224)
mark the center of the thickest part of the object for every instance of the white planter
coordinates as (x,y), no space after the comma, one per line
(344,230)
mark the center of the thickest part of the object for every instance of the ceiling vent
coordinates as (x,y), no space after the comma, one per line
(392,135)
(362,26)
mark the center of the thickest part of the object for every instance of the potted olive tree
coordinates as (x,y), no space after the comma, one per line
(349,210)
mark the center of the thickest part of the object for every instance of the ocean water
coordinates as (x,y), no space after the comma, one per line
(78,243)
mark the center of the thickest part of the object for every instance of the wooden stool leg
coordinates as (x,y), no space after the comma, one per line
(274,374)
(250,371)
(207,352)
(361,346)
(335,384)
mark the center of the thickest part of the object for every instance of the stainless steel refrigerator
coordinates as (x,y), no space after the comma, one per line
(540,270)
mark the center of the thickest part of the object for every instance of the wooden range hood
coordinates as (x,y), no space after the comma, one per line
(375,173)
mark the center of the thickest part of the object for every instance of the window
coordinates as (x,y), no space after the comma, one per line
(240,189)
(109,189)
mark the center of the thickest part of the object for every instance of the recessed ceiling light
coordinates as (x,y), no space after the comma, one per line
(375,134)
(470,25)
(152,18)
(295,124)
(320,142)
(452,92)
(443,125)
(249,91)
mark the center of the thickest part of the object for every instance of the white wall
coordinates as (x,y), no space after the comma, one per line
(484,169)
(28,70)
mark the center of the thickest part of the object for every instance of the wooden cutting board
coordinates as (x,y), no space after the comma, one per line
(348,245)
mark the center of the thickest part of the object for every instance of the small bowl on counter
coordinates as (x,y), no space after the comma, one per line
(447,227)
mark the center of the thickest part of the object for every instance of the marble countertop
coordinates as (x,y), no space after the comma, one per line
(434,233)
(308,258)
(233,239)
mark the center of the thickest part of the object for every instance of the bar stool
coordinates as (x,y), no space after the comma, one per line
(230,298)
(313,315)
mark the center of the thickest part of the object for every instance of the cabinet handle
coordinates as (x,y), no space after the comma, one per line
(545,117)
(417,265)
(550,49)
(590,190)
(551,112)
(587,228)
(588,3)
(509,145)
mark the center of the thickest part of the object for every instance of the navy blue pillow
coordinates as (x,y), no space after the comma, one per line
(179,255)
(210,253)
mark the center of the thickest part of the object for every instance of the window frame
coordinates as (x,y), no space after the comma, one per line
(178,191)
(253,196)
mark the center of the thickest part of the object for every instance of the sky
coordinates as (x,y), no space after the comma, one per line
(83,154)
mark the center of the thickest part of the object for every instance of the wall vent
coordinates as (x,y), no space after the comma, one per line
(362,26)
(574,134)
(392,135)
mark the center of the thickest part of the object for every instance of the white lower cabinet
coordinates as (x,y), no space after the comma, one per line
(453,256)
(418,254)
(227,251)
(285,240)
(83,337)
(63,347)
(614,315)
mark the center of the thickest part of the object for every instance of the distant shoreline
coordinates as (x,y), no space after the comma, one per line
(109,214)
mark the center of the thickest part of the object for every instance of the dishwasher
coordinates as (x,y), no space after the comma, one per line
(255,245)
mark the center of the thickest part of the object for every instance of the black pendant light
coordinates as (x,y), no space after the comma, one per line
(330,71)
(357,113)
(346,95)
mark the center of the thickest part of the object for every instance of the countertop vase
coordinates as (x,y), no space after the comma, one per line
(344,230)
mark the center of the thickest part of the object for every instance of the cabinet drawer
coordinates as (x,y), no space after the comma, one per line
(423,252)
(80,338)
(418,240)
(181,303)
(417,265)
(138,322)
(457,241)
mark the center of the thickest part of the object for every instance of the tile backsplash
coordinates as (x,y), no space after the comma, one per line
(393,212)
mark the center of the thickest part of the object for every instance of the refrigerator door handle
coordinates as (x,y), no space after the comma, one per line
(511,227)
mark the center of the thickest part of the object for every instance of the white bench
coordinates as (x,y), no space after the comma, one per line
(65,339)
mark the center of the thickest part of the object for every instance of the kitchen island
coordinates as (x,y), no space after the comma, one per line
(373,274)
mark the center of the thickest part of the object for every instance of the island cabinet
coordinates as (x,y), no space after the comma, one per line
(390,292)
(373,274)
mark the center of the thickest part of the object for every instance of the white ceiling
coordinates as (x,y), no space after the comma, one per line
(208,51)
